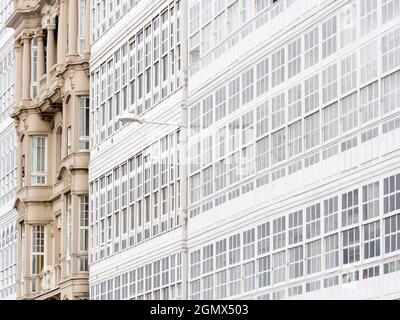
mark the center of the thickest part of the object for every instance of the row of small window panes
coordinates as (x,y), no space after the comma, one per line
(149,171)
(348,277)
(159,274)
(310,161)
(106,13)
(8,197)
(11,290)
(8,79)
(219,21)
(5,11)
(156,198)
(289,231)
(126,232)
(172,292)
(7,276)
(8,150)
(357,109)
(249,158)
(357,206)
(366,13)
(8,254)
(138,55)
(254,281)
(8,154)
(7,235)
(325,86)
(5,102)
(7,70)
(138,76)
(7,83)
(297,263)
(8,185)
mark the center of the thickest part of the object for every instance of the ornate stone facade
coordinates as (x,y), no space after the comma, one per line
(52,118)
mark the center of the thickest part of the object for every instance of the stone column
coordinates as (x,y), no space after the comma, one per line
(26,67)
(50,47)
(72,27)
(87,26)
(40,56)
(62,33)
(18,272)
(28,250)
(18,67)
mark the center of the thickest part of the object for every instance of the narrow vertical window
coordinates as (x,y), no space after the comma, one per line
(34,79)
(68,207)
(84,123)
(37,249)
(39,160)
(83,223)
(69,141)
(81,26)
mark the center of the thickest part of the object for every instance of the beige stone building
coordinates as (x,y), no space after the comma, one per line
(52,120)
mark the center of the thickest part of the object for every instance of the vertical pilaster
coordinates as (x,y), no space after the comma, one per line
(62,33)
(72,27)
(28,248)
(18,67)
(18,271)
(50,47)
(87,26)
(40,56)
(26,66)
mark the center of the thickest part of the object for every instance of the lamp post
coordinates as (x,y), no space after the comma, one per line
(183,155)
(131,118)
(183,159)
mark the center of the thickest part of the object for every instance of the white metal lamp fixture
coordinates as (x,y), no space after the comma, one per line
(132,118)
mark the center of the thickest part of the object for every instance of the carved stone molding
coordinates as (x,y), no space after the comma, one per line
(20,207)
(67,179)
(24,120)
(78,171)
(71,81)
(48,117)
(38,203)
(49,14)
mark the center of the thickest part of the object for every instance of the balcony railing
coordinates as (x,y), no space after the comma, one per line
(49,279)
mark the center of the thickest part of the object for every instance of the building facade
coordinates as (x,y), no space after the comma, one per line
(136,197)
(294,149)
(291,188)
(8,159)
(51,112)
